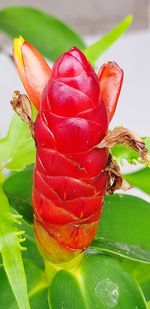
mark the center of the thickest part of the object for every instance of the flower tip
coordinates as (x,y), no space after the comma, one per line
(129,19)
(18,42)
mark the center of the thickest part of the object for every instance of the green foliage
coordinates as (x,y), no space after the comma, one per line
(124,152)
(141,272)
(30,243)
(98,282)
(18,188)
(147,142)
(124,227)
(40,300)
(11,255)
(121,152)
(145,286)
(17,149)
(94,51)
(140,179)
(36,278)
(37,286)
(6,294)
(48,34)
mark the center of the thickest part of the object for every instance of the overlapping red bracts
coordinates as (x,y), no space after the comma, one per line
(69,177)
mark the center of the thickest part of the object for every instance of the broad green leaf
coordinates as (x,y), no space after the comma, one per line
(11,254)
(141,272)
(18,188)
(124,227)
(48,34)
(145,286)
(40,299)
(121,152)
(94,51)
(98,282)
(37,284)
(140,179)
(17,149)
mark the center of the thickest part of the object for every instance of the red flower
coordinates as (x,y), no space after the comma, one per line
(69,177)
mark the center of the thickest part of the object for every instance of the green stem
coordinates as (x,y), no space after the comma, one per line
(51,269)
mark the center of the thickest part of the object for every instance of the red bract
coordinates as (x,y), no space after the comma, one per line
(68,192)
(70,180)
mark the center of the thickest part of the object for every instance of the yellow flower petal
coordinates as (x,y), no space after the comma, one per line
(18,42)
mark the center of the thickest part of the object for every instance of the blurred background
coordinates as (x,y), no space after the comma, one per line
(92,19)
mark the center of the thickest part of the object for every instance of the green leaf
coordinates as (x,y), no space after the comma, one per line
(38,288)
(30,243)
(36,278)
(121,152)
(18,188)
(94,51)
(37,285)
(17,149)
(6,295)
(140,179)
(124,227)
(141,272)
(48,34)
(99,282)
(147,142)
(40,300)
(11,254)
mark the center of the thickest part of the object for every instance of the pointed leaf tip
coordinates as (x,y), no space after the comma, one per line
(129,18)
(94,51)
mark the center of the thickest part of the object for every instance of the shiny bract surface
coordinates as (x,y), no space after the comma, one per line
(69,177)
(75,106)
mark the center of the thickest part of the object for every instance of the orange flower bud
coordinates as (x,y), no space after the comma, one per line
(32,68)
(110,77)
